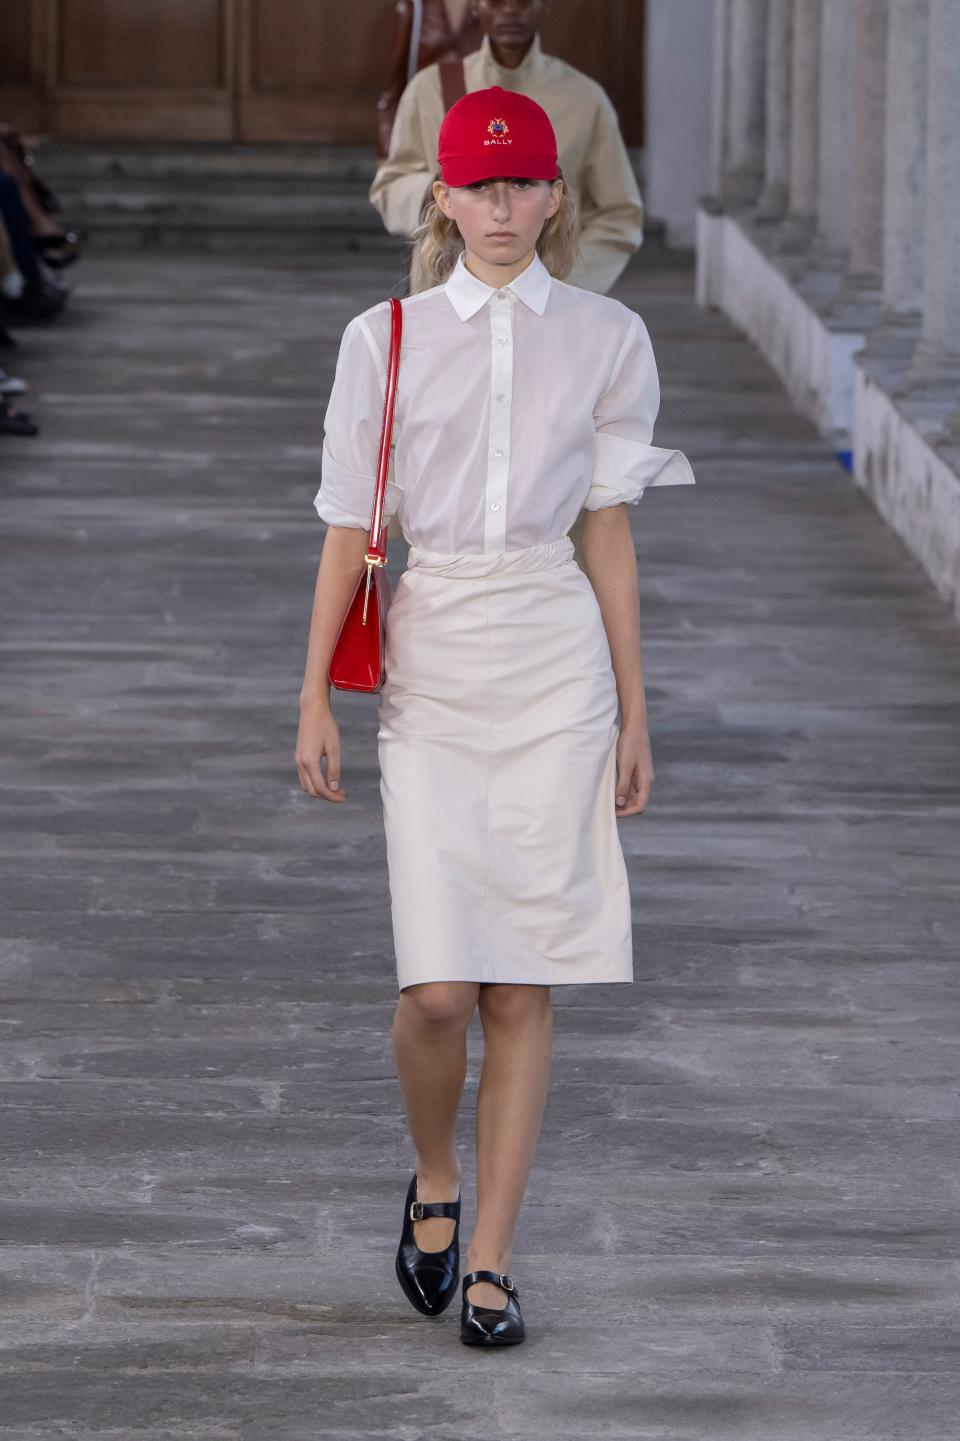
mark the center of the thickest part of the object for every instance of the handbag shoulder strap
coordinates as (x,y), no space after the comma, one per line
(453,82)
(377,543)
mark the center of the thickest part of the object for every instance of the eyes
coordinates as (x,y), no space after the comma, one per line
(519,182)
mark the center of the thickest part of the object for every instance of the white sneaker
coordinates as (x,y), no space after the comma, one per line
(11,385)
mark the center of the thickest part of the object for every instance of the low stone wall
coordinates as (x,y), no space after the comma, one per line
(911,485)
(914,488)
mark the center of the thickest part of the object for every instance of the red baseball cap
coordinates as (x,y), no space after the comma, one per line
(496,132)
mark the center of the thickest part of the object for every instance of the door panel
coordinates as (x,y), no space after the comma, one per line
(111,43)
(139,69)
(310,69)
(21,64)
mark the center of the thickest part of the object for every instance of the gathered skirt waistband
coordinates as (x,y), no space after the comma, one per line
(547,555)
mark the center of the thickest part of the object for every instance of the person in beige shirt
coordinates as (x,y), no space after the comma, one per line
(593,157)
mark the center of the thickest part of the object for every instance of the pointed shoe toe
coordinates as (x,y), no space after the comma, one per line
(428,1278)
(491,1325)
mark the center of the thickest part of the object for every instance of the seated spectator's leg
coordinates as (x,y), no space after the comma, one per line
(11,286)
(41,222)
(17,224)
(11,281)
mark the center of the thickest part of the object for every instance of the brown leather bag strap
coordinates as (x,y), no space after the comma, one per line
(453,82)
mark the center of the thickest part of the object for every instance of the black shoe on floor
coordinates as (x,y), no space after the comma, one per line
(16,422)
(428,1278)
(491,1325)
(41,302)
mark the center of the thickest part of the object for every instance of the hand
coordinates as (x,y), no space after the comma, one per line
(634,768)
(318,736)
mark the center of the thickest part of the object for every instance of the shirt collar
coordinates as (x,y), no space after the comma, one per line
(468,293)
(515,79)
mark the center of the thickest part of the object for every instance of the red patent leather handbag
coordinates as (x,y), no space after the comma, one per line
(356,661)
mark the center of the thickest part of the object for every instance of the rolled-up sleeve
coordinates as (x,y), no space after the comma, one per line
(351,434)
(625,463)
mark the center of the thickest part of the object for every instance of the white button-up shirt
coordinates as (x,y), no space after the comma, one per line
(515,408)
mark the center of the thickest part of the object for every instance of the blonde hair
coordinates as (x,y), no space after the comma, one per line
(436,242)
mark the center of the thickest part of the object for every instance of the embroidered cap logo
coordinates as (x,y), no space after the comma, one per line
(498,129)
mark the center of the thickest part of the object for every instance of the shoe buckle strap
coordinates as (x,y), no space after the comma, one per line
(419,1210)
(498,1278)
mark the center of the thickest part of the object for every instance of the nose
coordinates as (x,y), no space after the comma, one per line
(501,202)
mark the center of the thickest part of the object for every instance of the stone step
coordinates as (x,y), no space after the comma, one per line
(215,196)
(99,160)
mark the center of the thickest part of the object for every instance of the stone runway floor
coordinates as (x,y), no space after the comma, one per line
(742,1218)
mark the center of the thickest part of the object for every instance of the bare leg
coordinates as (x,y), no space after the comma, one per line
(511,1096)
(430,1048)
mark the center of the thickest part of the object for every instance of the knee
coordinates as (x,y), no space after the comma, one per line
(515,1006)
(441,1005)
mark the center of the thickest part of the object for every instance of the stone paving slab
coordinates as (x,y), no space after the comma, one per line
(742,1218)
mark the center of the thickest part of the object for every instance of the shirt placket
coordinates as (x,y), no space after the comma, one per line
(498,442)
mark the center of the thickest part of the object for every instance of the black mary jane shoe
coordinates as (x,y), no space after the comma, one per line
(428,1278)
(490,1325)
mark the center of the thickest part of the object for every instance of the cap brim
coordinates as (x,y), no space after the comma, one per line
(464,171)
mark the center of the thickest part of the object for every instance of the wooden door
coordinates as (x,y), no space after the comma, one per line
(252,70)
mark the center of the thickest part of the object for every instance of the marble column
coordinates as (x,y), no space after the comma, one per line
(857,305)
(835,155)
(891,341)
(718,128)
(933,382)
(774,196)
(827,257)
(746,77)
(798,228)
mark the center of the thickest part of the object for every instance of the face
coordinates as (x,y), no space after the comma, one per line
(510,22)
(500,219)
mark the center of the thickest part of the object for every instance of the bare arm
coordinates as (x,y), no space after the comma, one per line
(341,561)
(608,557)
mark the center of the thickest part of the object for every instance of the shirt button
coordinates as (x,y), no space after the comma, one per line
(495,505)
(501,396)
(501,340)
(498,454)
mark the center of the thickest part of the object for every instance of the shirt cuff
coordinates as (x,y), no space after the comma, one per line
(623,470)
(335,515)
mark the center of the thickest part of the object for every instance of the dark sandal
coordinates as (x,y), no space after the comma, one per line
(490,1325)
(16,422)
(428,1278)
(58,250)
